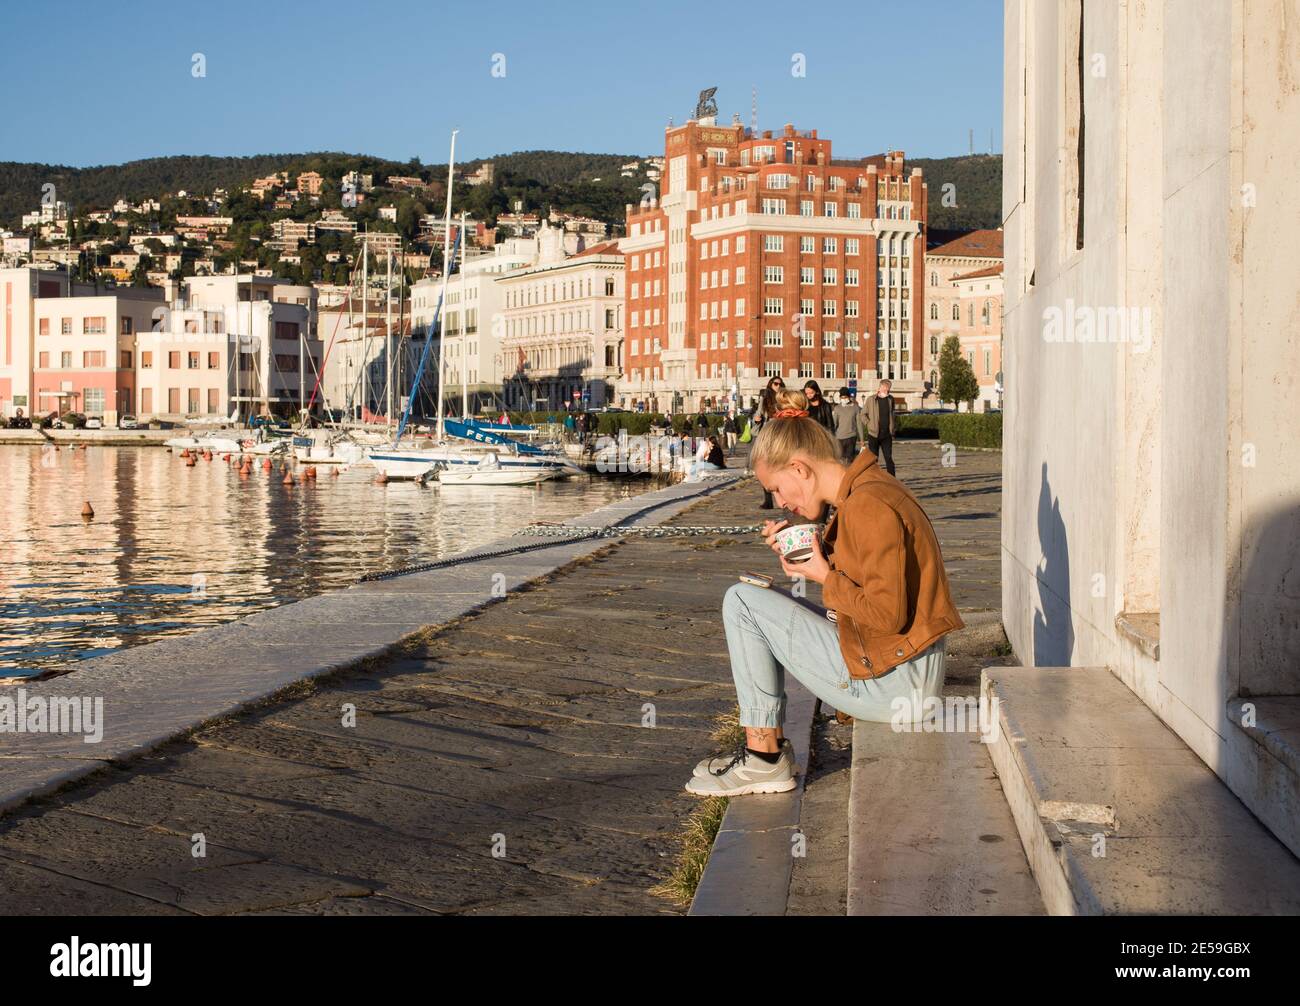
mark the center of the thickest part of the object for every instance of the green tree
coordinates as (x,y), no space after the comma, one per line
(957,381)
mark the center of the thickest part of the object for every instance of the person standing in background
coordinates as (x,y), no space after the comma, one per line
(880,425)
(818,408)
(766,409)
(848,426)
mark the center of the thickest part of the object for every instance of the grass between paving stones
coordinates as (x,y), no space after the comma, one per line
(701,827)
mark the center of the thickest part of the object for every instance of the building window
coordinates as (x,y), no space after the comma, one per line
(807,245)
(850,277)
(988,362)
(805,207)
(772,368)
(934,312)
(805,371)
(127,326)
(828,309)
(805,339)
(934,345)
(807,276)
(850,309)
(934,279)
(830,245)
(65,360)
(93,326)
(65,326)
(43,326)
(43,361)
(850,340)
(214,361)
(956,312)
(830,209)
(773,243)
(214,401)
(773,274)
(93,401)
(830,277)
(146,359)
(772,337)
(828,339)
(828,371)
(125,359)
(851,246)
(773,306)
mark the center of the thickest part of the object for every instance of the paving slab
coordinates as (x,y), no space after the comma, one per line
(929,830)
(1116,814)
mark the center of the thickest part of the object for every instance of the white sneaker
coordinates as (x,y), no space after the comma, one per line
(742,773)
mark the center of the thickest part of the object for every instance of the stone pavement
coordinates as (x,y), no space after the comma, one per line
(503,764)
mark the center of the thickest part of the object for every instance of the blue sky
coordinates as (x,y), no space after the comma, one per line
(96,83)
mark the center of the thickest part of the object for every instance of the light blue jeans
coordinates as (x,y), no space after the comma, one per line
(770,632)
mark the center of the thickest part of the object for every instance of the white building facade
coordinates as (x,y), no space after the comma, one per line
(1151,517)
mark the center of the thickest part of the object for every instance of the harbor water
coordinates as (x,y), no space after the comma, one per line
(172,549)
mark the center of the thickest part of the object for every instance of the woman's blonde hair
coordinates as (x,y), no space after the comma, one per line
(782,437)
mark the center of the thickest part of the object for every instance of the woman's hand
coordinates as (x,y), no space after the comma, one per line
(770,529)
(814,568)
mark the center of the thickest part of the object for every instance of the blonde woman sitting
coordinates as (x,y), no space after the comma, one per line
(882,576)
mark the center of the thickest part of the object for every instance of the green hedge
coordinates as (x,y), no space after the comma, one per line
(920,427)
(971,429)
(610,423)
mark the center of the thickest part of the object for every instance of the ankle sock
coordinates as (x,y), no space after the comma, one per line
(770,757)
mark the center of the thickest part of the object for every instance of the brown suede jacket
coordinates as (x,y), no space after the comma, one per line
(887,583)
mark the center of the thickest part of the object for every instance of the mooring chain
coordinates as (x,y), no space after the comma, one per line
(543,530)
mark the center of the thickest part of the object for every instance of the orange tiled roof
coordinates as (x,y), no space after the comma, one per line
(604,248)
(976,244)
(993,270)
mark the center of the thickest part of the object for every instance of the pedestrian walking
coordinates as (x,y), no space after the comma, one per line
(848,426)
(880,425)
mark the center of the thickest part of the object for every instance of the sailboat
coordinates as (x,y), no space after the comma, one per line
(396,461)
(488,471)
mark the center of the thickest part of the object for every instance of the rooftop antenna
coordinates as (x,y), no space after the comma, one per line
(972,141)
(753,111)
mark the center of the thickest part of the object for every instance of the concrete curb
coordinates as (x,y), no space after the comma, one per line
(154,693)
(750,865)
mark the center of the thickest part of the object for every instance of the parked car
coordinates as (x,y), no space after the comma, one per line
(127,423)
(94,423)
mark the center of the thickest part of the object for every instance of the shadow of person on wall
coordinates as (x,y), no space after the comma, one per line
(1053,630)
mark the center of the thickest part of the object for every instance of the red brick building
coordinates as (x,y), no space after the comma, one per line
(762,256)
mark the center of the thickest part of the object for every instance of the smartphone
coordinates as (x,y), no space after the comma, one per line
(757,579)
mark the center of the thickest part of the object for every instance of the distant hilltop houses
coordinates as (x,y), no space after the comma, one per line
(789,263)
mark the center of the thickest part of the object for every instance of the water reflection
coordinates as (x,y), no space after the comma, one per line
(172,549)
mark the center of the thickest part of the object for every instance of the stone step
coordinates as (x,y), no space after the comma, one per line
(1116,813)
(929,830)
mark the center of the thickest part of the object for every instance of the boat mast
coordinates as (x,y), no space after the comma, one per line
(365,324)
(464,337)
(446,268)
(388,340)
